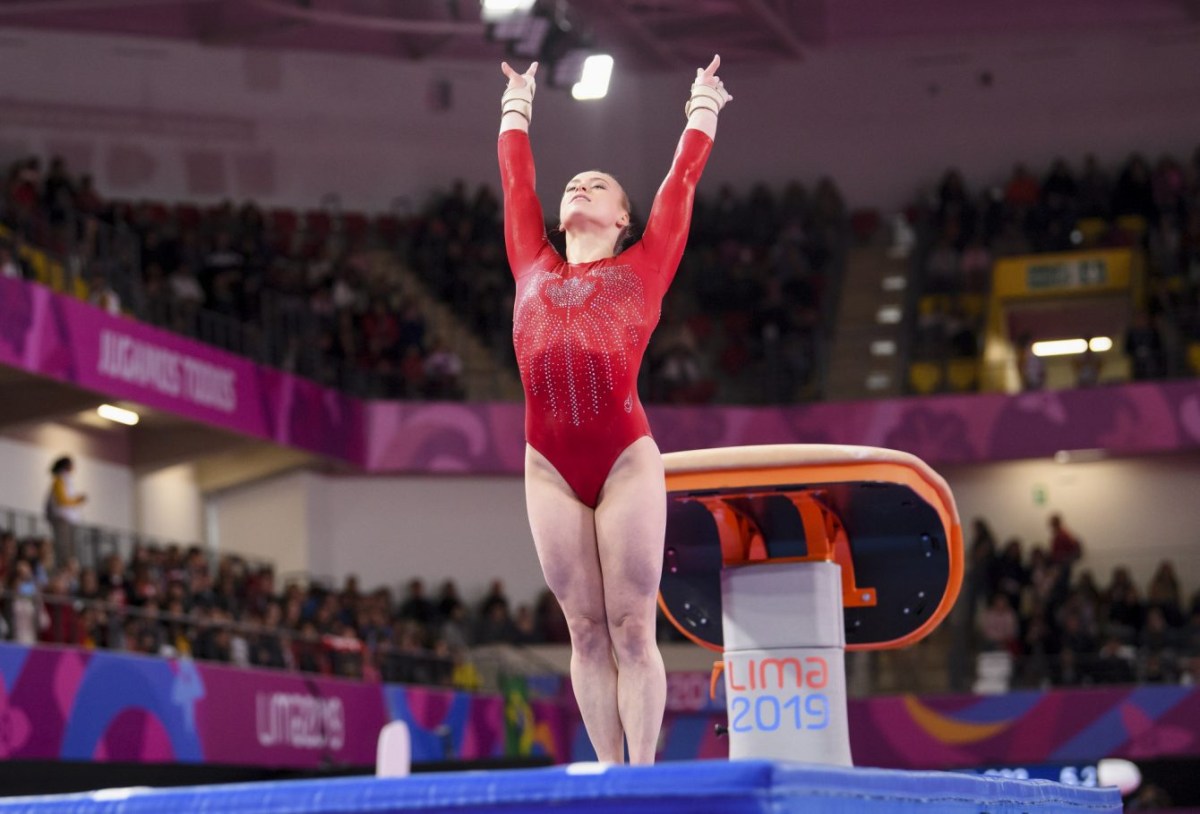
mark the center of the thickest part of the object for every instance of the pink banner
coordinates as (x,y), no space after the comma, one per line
(284,719)
(963,731)
(59,337)
(1126,420)
(56,336)
(63,703)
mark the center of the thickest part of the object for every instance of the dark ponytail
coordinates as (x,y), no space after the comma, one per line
(626,237)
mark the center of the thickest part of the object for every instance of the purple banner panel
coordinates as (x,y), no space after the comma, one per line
(266,718)
(1130,419)
(62,703)
(69,704)
(56,336)
(912,732)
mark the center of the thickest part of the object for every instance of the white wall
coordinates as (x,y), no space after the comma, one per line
(866,115)
(1126,512)
(474,529)
(290,127)
(385,530)
(279,127)
(169,505)
(25,459)
(268,519)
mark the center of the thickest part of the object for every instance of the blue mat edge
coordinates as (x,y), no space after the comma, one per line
(584,782)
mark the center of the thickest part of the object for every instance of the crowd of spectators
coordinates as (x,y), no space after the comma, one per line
(1037,606)
(743,322)
(175,601)
(1062,627)
(1154,206)
(293,291)
(748,315)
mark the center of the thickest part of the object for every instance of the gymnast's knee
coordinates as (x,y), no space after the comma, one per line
(589,635)
(632,636)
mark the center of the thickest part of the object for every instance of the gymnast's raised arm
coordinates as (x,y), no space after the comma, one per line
(667,227)
(524,225)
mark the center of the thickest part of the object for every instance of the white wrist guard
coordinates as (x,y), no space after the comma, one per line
(519,101)
(706,97)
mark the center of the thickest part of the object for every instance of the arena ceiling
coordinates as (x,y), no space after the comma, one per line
(643,34)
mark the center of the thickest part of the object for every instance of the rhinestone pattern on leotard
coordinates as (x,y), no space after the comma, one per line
(584,332)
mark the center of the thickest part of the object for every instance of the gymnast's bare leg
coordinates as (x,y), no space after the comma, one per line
(604,567)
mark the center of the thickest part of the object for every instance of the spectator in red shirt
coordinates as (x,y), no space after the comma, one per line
(1065,547)
(1023,190)
(63,624)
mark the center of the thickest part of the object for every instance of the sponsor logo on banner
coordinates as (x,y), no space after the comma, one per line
(299,721)
(131,360)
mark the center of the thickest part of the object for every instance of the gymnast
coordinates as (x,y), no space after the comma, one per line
(594,485)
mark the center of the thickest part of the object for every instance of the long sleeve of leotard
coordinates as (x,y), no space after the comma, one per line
(524,225)
(671,215)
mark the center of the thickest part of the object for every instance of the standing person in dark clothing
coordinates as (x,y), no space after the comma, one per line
(62,509)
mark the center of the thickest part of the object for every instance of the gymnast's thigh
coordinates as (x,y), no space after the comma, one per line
(564,533)
(631,520)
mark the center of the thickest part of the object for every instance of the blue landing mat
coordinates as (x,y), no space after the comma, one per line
(717,786)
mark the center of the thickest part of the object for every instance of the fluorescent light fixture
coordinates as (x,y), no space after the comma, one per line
(118,414)
(1066,347)
(593,83)
(494,10)
(878,380)
(1059,347)
(894,282)
(1079,456)
(883,347)
(525,34)
(889,315)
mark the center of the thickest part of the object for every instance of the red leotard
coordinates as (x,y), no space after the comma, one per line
(580,329)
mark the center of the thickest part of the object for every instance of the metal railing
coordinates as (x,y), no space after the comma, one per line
(37,617)
(94,544)
(85,251)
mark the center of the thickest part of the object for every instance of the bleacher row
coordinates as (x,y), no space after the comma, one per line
(297,289)
(1154,211)
(1043,612)
(134,593)
(744,323)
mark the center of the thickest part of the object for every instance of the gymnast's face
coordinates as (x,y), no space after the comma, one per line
(593,198)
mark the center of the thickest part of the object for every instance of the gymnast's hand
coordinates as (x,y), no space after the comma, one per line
(518,98)
(521,80)
(708,91)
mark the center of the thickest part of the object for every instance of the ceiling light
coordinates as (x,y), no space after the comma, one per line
(878,380)
(894,282)
(883,347)
(1100,344)
(523,33)
(593,82)
(889,315)
(1079,456)
(118,414)
(494,10)
(1059,347)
